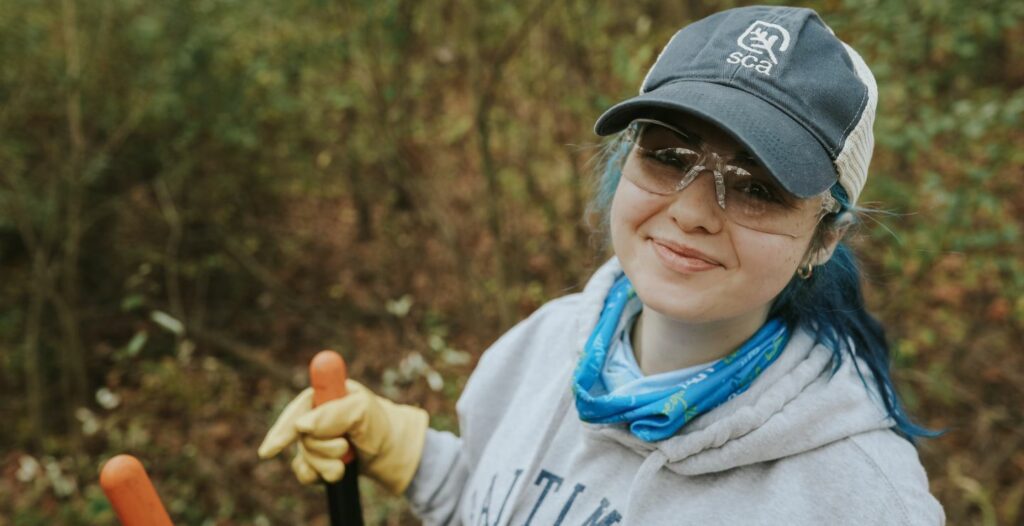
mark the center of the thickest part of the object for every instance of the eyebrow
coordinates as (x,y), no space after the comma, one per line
(740,154)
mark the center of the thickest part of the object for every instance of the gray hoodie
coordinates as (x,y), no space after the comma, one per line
(800,446)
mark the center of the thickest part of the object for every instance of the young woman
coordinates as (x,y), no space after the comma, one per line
(721,368)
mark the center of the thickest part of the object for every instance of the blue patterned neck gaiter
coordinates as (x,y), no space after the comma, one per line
(658,415)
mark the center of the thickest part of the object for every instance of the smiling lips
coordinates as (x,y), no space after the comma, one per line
(682,259)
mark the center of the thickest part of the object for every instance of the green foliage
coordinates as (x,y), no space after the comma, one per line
(198,195)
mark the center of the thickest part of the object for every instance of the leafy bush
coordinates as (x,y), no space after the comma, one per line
(198,195)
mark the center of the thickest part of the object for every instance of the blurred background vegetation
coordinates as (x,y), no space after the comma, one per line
(198,195)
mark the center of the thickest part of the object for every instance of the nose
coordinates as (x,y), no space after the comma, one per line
(695,208)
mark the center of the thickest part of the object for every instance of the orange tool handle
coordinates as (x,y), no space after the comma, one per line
(327,373)
(130,491)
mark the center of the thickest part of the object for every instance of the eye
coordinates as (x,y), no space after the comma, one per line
(747,161)
(759,191)
(680,159)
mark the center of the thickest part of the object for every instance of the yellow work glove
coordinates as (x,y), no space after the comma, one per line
(388,437)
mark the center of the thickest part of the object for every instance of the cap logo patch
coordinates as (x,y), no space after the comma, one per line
(761,41)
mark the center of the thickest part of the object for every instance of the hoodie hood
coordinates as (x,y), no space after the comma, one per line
(796,405)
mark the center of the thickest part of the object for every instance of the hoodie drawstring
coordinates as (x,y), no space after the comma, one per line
(564,404)
(642,483)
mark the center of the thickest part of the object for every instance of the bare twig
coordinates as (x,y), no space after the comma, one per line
(251,356)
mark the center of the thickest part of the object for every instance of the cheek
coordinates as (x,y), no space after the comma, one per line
(631,208)
(628,214)
(769,262)
(618,221)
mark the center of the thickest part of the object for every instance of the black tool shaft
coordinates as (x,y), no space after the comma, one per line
(343,501)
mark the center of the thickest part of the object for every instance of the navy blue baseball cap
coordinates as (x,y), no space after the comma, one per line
(780,82)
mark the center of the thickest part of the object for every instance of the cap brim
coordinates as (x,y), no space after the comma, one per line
(797,160)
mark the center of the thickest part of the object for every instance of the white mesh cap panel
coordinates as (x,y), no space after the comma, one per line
(855,154)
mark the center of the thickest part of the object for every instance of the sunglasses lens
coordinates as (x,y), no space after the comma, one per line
(664,161)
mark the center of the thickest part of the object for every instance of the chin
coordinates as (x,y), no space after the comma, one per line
(676,300)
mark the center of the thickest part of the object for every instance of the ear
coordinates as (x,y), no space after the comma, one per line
(820,252)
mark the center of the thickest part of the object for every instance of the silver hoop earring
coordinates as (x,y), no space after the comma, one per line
(805,272)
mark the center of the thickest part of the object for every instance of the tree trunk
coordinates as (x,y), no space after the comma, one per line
(172,248)
(33,371)
(76,379)
(494,197)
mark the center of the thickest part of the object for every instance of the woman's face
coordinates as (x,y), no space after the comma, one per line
(686,258)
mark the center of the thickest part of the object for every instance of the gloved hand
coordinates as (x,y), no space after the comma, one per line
(388,437)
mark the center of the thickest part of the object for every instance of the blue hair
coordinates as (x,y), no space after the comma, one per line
(829,304)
